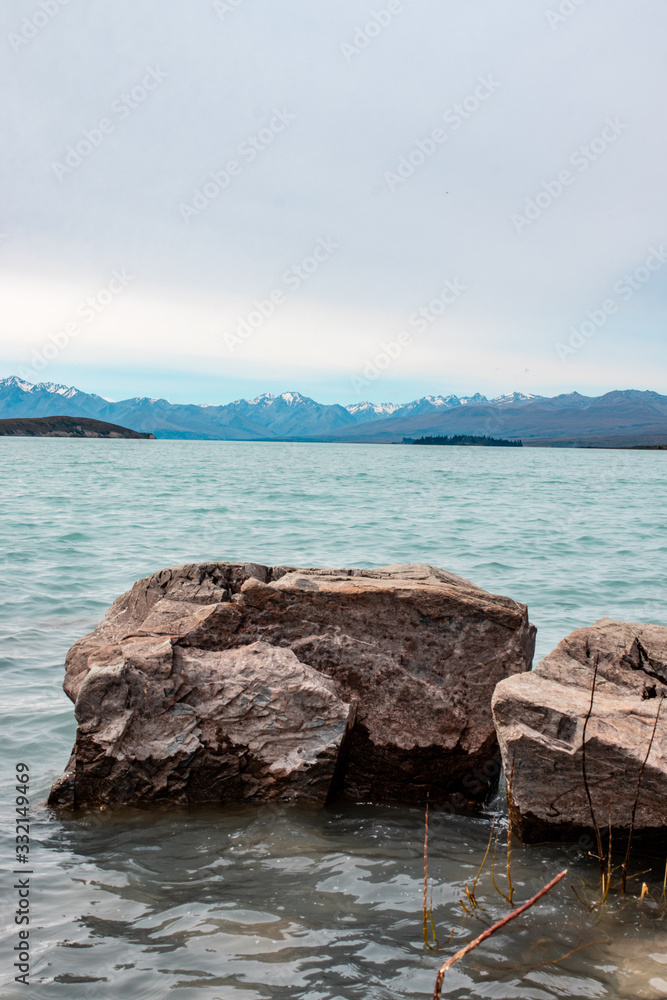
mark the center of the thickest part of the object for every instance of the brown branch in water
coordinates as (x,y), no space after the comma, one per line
(598,838)
(634,805)
(491,930)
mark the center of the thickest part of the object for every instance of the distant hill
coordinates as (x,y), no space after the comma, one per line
(623,418)
(70,427)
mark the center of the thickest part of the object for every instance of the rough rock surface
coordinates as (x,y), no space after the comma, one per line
(161,722)
(540,720)
(415,651)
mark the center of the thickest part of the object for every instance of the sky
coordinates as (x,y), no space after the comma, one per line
(356,200)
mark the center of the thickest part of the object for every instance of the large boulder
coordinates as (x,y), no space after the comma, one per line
(225,681)
(540,719)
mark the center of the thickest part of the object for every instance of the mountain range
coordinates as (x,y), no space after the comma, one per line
(622,417)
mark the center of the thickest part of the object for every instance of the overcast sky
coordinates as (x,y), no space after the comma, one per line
(405,141)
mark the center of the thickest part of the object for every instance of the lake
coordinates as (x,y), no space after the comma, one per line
(286,902)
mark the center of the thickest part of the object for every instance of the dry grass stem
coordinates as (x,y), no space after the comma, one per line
(470,893)
(588,906)
(427,915)
(606,880)
(493,873)
(430,914)
(510,887)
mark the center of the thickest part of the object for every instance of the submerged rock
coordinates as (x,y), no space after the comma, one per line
(221,682)
(540,719)
(639,964)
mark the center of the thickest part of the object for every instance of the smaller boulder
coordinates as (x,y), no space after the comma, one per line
(540,719)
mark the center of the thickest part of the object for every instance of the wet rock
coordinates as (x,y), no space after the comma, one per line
(164,723)
(540,720)
(415,651)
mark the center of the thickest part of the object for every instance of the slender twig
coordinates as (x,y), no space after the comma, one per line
(510,887)
(596,828)
(664,885)
(425,915)
(645,871)
(424,918)
(470,893)
(493,873)
(583,903)
(430,915)
(555,961)
(491,930)
(634,804)
(481,867)
(606,880)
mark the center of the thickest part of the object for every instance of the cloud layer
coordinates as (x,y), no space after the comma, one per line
(208,150)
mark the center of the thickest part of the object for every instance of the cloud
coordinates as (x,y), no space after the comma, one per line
(223,76)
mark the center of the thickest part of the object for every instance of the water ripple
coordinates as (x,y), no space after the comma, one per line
(285,903)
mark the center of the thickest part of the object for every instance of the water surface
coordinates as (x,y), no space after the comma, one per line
(285,902)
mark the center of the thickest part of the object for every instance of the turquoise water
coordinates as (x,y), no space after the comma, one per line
(288,903)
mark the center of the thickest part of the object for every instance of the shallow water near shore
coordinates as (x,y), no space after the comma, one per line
(283,902)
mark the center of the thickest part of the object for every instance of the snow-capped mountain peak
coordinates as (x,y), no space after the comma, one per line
(267,399)
(515,397)
(442,400)
(372,411)
(429,404)
(14,382)
(263,400)
(476,398)
(294,398)
(60,390)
